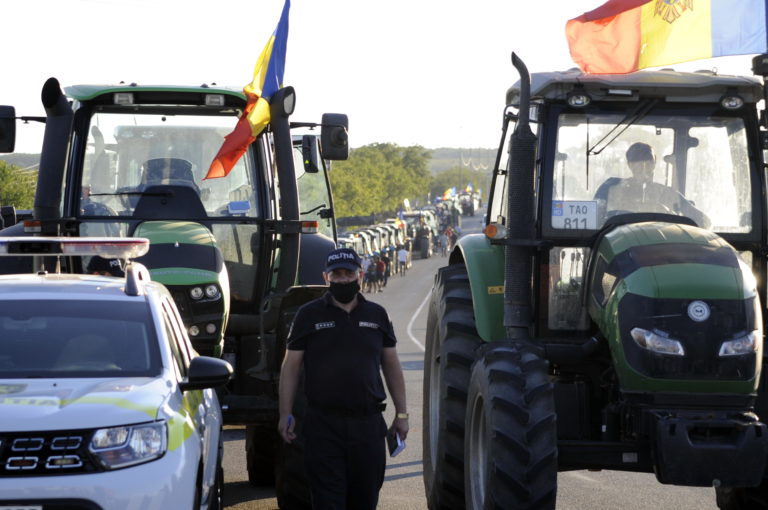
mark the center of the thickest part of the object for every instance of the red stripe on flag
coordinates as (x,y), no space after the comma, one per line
(235,145)
(607,39)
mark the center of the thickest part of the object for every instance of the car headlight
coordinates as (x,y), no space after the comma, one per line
(743,345)
(212,292)
(196,292)
(120,447)
(656,341)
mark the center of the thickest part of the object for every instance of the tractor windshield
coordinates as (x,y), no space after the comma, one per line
(127,153)
(694,166)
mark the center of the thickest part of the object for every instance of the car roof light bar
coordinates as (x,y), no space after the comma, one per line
(106,247)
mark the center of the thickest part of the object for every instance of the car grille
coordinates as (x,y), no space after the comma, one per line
(46,453)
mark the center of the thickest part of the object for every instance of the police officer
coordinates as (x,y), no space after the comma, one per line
(344,342)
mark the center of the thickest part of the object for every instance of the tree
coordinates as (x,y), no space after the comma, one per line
(17,187)
(377,177)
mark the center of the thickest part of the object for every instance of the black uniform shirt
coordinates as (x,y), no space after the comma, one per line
(342,352)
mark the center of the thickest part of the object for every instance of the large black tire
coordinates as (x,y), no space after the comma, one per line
(260,443)
(742,498)
(511,432)
(425,251)
(291,485)
(450,351)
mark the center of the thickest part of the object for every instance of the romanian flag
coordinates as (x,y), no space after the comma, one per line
(622,36)
(267,79)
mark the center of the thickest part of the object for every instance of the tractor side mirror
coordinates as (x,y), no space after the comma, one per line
(7,128)
(334,139)
(309,154)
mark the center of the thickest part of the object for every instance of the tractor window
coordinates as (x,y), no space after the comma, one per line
(675,164)
(238,245)
(313,193)
(128,152)
(566,279)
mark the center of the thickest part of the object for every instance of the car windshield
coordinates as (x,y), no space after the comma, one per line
(694,166)
(74,338)
(129,152)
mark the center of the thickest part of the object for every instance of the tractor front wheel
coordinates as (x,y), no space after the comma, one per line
(511,436)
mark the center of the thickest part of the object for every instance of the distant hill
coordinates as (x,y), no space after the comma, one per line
(445,158)
(21,160)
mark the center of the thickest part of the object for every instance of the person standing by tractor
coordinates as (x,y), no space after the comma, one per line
(344,342)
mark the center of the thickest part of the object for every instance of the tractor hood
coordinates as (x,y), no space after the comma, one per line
(180,252)
(679,308)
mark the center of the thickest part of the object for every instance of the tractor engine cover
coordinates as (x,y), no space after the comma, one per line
(679,308)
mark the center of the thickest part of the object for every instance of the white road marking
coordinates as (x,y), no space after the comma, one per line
(413,319)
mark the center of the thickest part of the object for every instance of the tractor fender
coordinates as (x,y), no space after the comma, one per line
(485,267)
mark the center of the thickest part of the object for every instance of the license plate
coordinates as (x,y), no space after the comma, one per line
(21,507)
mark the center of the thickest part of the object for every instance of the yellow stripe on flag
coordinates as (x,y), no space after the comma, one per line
(674,37)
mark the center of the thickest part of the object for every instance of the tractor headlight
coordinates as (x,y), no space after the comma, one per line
(657,341)
(212,292)
(119,447)
(196,293)
(743,345)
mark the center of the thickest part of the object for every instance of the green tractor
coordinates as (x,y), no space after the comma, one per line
(611,315)
(239,253)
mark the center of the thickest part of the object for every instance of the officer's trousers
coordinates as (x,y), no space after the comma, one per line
(345,460)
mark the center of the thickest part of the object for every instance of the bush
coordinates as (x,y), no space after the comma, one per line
(17,186)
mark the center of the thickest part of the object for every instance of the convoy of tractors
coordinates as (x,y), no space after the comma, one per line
(604,319)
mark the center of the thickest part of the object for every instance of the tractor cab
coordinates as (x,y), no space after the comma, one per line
(635,148)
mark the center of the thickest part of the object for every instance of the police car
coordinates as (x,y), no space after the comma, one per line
(103,402)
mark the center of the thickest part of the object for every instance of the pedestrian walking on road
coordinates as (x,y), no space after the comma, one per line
(344,343)
(402,259)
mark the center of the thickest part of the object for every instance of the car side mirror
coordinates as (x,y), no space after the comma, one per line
(206,372)
(7,128)
(334,138)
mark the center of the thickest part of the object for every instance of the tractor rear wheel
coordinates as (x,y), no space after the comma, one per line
(743,498)
(511,433)
(291,483)
(260,443)
(450,351)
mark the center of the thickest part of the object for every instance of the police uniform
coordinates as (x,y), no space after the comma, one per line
(344,428)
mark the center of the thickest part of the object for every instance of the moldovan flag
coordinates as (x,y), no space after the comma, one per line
(267,79)
(622,36)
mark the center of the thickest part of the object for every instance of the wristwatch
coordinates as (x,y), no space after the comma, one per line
(402,416)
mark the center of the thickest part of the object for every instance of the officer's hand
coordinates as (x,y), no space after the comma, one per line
(401,426)
(285,428)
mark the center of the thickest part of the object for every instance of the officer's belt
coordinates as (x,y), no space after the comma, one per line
(352,412)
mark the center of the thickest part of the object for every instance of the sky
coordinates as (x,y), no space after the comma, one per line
(411,72)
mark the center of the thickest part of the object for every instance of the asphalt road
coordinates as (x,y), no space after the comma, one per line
(406,300)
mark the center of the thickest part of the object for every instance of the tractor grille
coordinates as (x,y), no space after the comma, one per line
(46,453)
(701,340)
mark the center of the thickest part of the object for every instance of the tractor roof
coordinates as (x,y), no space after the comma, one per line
(673,86)
(88,92)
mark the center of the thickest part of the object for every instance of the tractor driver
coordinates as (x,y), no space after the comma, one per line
(640,193)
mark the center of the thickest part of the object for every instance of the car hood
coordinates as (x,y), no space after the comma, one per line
(58,404)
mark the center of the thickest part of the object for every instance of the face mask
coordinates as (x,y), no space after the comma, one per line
(344,292)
